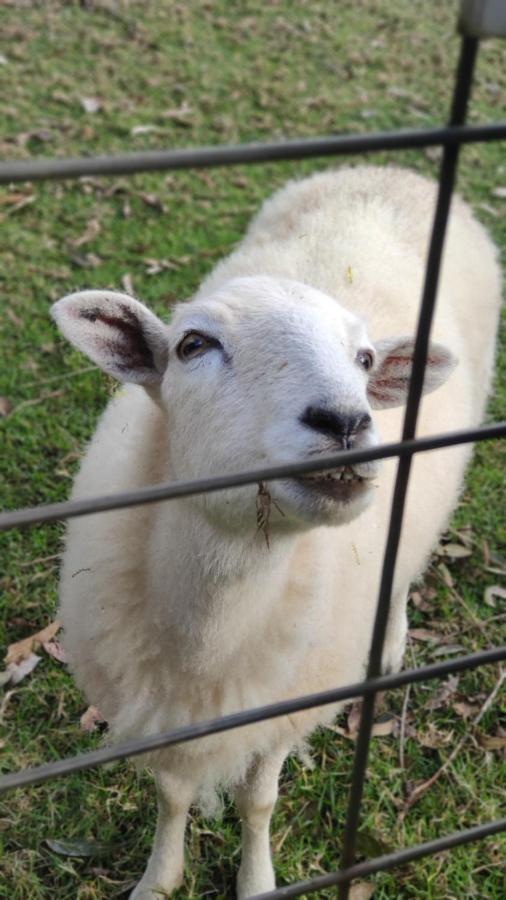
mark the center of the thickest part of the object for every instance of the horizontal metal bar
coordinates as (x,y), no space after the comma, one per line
(137,746)
(170,490)
(200,157)
(388,861)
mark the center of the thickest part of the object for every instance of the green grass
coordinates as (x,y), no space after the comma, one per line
(233,72)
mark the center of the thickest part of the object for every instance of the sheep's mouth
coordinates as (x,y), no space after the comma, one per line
(341,484)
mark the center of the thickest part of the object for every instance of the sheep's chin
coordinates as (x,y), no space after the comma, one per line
(324,502)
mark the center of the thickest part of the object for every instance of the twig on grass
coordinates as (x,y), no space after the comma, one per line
(52,395)
(424,787)
(40,559)
(64,377)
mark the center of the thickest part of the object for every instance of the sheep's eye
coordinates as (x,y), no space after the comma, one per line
(195,344)
(365,359)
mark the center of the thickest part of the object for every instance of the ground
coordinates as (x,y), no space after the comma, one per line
(101,77)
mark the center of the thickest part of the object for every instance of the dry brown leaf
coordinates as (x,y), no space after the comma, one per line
(127,284)
(89,234)
(442,696)
(91,104)
(492,742)
(493,591)
(353,720)
(419,602)
(22,649)
(453,551)
(55,649)
(18,671)
(433,737)
(5,406)
(383,728)
(465,709)
(13,198)
(361,890)
(423,634)
(152,200)
(90,719)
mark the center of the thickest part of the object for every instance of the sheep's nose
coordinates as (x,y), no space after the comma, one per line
(343,427)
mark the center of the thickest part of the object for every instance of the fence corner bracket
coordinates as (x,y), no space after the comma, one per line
(482,18)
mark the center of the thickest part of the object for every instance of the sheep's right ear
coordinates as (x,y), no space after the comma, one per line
(117,332)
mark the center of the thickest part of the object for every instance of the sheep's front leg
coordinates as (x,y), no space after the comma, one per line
(164,872)
(255,800)
(396,635)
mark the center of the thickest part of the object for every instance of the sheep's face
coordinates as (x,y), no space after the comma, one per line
(267,372)
(261,373)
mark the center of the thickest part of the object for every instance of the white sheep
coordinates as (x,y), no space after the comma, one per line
(181,611)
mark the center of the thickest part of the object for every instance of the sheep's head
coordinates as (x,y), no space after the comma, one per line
(261,372)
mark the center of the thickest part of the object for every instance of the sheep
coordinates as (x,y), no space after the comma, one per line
(298,344)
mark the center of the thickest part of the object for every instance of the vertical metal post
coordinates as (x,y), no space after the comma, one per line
(448,169)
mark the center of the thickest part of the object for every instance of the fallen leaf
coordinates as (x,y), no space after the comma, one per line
(443,694)
(90,104)
(5,406)
(143,129)
(152,200)
(447,649)
(78,847)
(86,260)
(453,551)
(91,719)
(492,742)
(419,602)
(445,574)
(127,284)
(353,720)
(40,134)
(384,727)
(361,890)
(20,670)
(493,591)
(5,702)
(180,115)
(55,649)
(89,234)
(23,649)
(13,198)
(423,634)
(433,737)
(465,709)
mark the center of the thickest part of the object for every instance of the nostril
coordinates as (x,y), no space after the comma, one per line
(341,426)
(363,422)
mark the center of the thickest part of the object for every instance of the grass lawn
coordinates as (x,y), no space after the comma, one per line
(127,76)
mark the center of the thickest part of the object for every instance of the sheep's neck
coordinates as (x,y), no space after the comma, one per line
(204,583)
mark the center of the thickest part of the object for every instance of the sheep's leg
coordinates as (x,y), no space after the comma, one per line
(255,799)
(395,638)
(164,872)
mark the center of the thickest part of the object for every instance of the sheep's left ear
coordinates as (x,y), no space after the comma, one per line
(117,332)
(389,382)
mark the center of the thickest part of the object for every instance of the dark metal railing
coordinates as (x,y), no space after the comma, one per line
(450,138)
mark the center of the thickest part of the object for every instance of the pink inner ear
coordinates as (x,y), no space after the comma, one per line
(126,342)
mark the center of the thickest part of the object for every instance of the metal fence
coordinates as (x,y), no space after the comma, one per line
(479,18)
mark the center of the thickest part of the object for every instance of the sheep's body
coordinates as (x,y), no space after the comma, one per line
(169,619)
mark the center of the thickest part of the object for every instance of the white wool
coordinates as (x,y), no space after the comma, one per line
(180,612)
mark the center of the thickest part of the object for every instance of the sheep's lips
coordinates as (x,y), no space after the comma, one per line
(342,485)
